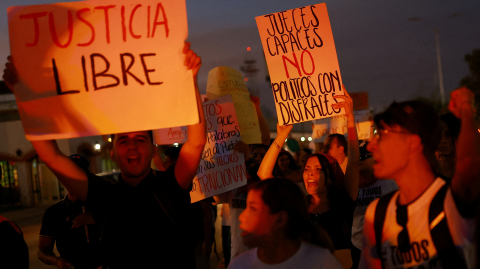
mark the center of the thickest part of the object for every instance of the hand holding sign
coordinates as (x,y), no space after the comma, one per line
(10,74)
(192,61)
(347,103)
(284,130)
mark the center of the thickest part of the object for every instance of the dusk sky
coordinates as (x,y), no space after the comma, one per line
(379,50)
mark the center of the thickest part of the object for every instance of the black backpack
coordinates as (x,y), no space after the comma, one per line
(447,253)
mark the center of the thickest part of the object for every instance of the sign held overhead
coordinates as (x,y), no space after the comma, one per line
(99,67)
(302,61)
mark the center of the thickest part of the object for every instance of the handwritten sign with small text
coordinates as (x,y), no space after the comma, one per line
(221,169)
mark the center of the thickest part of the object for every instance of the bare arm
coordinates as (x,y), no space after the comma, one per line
(69,174)
(352,171)
(45,250)
(466,180)
(46,255)
(264,129)
(190,154)
(268,163)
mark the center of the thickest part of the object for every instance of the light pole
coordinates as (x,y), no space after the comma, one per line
(439,60)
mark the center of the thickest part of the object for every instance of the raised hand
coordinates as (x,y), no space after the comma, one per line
(255,100)
(347,103)
(284,130)
(192,60)
(459,98)
(10,74)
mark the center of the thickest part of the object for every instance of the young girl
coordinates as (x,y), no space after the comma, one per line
(275,223)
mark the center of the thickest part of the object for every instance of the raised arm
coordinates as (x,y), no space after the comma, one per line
(352,171)
(264,129)
(466,180)
(69,174)
(190,154)
(266,167)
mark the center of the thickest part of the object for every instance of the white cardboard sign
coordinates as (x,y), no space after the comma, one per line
(338,125)
(101,67)
(171,135)
(302,62)
(220,169)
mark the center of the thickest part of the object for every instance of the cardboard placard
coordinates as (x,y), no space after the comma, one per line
(221,169)
(338,125)
(172,135)
(223,80)
(98,67)
(302,61)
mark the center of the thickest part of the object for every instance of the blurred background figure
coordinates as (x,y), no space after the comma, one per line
(69,226)
(302,157)
(337,147)
(446,150)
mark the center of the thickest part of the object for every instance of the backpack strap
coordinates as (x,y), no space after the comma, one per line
(447,253)
(379,220)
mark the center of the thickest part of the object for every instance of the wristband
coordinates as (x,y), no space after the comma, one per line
(276,145)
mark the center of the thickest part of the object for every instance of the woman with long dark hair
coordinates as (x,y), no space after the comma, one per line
(331,195)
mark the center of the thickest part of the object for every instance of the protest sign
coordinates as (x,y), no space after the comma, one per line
(221,169)
(302,61)
(172,135)
(99,67)
(338,125)
(224,80)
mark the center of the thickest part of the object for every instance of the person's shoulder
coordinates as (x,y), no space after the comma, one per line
(54,209)
(319,257)
(244,260)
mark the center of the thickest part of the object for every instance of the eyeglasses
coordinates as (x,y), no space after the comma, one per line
(403,238)
(364,157)
(380,132)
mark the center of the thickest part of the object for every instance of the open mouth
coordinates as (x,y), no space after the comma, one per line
(312,184)
(133,159)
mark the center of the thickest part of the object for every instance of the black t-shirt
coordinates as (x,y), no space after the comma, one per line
(337,221)
(71,243)
(136,231)
(13,249)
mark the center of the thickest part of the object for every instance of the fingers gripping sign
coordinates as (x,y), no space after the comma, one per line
(10,75)
(192,60)
(347,102)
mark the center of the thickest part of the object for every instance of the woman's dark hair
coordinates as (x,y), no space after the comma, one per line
(281,194)
(292,165)
(327,170)
(256,146)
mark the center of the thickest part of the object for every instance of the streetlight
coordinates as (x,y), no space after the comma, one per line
(439,60)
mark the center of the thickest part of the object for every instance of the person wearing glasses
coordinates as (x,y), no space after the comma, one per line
(429,221)
(370,188)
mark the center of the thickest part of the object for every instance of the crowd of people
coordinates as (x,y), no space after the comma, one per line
(406,198)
